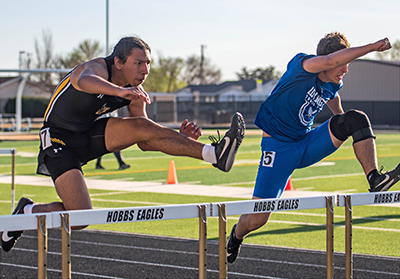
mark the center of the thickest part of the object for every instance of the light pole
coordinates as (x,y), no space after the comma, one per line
(107,8)
(201,64)
(21,52)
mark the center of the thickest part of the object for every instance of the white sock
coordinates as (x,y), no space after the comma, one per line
(28,208)
(209,154)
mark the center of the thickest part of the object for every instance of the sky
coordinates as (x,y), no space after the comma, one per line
(235,33)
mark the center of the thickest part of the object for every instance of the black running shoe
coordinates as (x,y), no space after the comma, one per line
(227,147)
(385,180)
(124,166)
(233,249)
(99,167)
(8,239)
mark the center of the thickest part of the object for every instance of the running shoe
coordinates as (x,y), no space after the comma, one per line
(99,167)
(8,239)
(233,249)
(385,181)
(124,166)
(227,147)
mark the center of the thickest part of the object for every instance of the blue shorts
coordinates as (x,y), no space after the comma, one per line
(279,159)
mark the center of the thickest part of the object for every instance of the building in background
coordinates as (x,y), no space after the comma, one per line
(371,86)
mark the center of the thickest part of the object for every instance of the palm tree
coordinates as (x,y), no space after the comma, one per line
(86,51)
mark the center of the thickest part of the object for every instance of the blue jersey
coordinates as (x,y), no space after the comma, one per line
(288,113)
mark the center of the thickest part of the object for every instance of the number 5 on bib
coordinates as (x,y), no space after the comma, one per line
(268,158)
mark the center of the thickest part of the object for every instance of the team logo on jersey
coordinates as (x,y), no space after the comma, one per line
(103,109)
(56,150)
(313,103)
(57,141)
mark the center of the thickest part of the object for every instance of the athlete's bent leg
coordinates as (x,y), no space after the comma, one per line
(250,222)
(72,190)
(247,223)
(357,124)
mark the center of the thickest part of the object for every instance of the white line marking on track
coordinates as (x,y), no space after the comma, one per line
(60,271)
(132,262)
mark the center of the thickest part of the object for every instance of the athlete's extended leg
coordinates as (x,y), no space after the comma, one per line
(121,133)
(356,124)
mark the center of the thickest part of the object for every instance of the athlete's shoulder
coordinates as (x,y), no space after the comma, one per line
(97,67)
(298,58)
(97,64)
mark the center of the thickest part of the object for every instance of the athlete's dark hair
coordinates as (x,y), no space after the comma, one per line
(332,42)
(125,46)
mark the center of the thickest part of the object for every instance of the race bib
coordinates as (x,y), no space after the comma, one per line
(45,138)
(268,158)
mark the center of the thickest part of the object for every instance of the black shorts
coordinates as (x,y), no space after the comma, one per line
(62,150)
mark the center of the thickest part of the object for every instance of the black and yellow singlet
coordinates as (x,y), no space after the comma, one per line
(75,110)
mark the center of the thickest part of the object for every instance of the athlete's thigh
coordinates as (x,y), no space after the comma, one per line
(121,133)
(96,146)
(278,161)
(72,190)
(317,145)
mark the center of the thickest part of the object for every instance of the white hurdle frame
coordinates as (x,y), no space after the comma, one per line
(12,152)
(350,200)
(274,205)
(67,219)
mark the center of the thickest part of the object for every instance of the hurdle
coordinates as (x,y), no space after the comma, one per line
(274,205)
(67,219)
(350,200)
(12,152)
(31,222)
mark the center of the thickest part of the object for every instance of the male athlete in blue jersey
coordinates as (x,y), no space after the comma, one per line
(286,117)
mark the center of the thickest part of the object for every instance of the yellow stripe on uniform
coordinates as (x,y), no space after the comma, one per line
(57,92)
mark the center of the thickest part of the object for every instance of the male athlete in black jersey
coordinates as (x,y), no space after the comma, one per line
(73,134)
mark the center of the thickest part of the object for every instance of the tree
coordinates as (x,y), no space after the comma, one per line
(45,60)
(258,73)
(85,51)
(391,55)
(172,68)
(209,73)
(165,75)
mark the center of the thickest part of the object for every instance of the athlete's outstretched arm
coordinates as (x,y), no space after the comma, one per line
(137,108)
(91,77)
(339,58)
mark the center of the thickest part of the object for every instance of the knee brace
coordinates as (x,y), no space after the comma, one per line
(353,123)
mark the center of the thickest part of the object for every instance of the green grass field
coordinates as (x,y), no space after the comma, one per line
(375,228)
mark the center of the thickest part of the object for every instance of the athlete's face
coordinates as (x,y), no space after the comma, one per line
(137,67)
(335,75)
